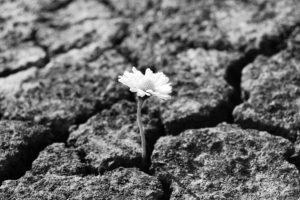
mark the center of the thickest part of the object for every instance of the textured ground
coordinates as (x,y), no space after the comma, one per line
(230,131)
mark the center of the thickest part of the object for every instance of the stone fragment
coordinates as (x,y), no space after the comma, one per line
(226,162)
(201,96)
(17,51)
(132,8)
(20,143)
(80,23)
(118,184)
(68,90)
(248,26)
(16,24)
(61,160)
(272,86)
(10,85)
(111,139)
(46,5)
(21,57)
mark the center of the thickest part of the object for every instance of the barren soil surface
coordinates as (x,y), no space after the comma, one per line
(68,128)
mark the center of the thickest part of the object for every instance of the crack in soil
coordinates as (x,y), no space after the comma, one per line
(166,185)
(233,73)
(64,129)
(232,76)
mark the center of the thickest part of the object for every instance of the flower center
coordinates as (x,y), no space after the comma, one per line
(147,85)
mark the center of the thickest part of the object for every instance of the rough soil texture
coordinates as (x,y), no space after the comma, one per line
(68,90)
(201,91)
(20,143)
(68,128)
(117,184)
(273,94)
(226,162)
(109,139)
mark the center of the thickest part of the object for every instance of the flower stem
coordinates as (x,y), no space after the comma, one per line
(142,133)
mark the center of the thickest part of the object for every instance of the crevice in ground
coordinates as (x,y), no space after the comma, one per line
(111,7)
(61,5)
(87,40)
(20,165)
(233,77)
(218,114)
(116,41)
(39,64)
(120,13)
(88,170)
(167,180)
(160,132)
(23,161)
(45,48)
(292,155)
(127,55)
(233,73)
(269,46)
(166,186)
(112,163)
(271,129)
(61,131)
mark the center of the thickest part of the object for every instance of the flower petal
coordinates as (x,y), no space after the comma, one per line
(156,84)
(142,93)
(159,95)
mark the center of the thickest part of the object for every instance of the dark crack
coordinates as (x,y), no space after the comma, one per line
(123,161)
(268,47)
(160,130)
(166,189)
(273,130)
(89,170)
(216,115)
(16,170)
(58,6)
(110,6)
(61,129)
(18,162)
(39,64)
(292,155)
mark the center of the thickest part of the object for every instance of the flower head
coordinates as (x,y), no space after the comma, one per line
(156,84)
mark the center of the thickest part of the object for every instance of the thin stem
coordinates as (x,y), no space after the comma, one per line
(142,133)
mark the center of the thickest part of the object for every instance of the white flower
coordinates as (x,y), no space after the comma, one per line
(156,84)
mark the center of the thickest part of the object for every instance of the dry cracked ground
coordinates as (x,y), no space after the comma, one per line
(68,128)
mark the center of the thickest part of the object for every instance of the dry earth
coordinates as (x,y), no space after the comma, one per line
(230,131)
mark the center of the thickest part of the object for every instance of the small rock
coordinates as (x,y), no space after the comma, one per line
(111,139)
(82,22)
(20,143)
(68,90)
(60,160)
(46,5)
(117,184)
(17,24)
(226,162)
(273,87)
(10,85)
(133,8)
(244,26)
(201,96)
(21,57)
